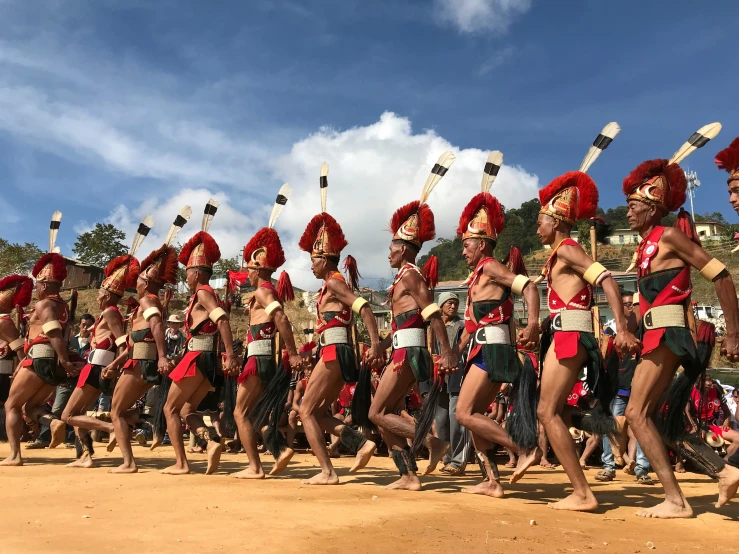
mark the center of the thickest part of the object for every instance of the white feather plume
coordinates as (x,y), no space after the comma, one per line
(141,234)
(495,160)
(324,187)
(210,211)
(702,135)
(601,142)
(282,197)
(444,162)
(176,227)
(56,219)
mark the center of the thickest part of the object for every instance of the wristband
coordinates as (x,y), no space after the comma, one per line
(636,298)
(217,314)
(151,312)
(272,308)
(519,283)
(712,269)
(121,341)
(429,311)
(16,344)
(594,272)
(358,304)
(51,326)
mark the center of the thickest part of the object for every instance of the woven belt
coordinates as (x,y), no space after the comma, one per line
(408,338)
(493,334)
(101,357)
(259,348)
(144,351)
(573,320)
(41,351)
(334,335)
(660,317)
(7,367)
(202,343)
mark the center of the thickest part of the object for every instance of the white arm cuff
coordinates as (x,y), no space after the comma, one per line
(51,326)
(217,314)
(121,341)
(16,344)
(151,312)
(272,308)
(429,311)
(519,283)
(358,304)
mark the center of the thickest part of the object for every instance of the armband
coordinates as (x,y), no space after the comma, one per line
(121,341)
(712,269)
(636,297)
(430,310)
(272,308)
(16,344)
(595,274)
(358,304)
(51,326)
(151,312)
(519,283)
(217,314)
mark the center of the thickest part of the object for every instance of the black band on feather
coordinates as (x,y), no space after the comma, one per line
(323,181)
(602,142)
(55,225)
(281,200)
(179,221)
(491,169)
(143,229)
(210,209)
(698,140)
(439,170)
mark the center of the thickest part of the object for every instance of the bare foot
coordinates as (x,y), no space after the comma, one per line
(406,483)
(584,466)
(111,443)
(215,449)
(176,470)
(12,461)
(668,510)
(124,468)
(576,503)
(85,462)
(437,449)
(525,461)
(488,488)
(249,474)
(364,455)
(679,467)
(57,428)
(282,461)
(156,442)
(323,479)
(629,468)
(728,483)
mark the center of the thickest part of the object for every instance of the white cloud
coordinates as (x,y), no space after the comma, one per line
(474,16)
(373,170)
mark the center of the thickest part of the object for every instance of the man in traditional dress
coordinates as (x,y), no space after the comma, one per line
(493,357)
(728,160)
(664,258)
(268,326)
(337,349)
(144,362)
(46,363)
(200,370)
(571,276)
(412,307)
(15,292)
(108,340)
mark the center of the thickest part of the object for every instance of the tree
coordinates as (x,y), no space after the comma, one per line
(226,264)
(18,258)
(99,246)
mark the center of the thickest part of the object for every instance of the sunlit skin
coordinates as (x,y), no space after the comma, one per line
(734,194)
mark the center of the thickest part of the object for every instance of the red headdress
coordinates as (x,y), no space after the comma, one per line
(202,251)
(570,197)
(728,160)
(414,222)
(264,250)
(122,272)
(482,218)
(51,268)
(16,288)
(662,182)
(161,265)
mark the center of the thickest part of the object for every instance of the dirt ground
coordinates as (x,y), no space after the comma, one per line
(46,507)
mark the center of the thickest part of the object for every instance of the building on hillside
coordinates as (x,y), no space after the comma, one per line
(626,281)
(81,275)
(707,231)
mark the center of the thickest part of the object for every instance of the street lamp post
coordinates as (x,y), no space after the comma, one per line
(693,183)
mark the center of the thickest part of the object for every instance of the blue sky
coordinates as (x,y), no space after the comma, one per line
(111,110)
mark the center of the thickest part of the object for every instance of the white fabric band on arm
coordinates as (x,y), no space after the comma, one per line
(217,314)
(428,312)
(121,341)
(519,283)
(712,270)
(16,344)
(51,326)
(358,304)
(272,308)
(595,273)
(151,312)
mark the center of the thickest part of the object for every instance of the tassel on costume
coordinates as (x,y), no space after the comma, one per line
(352,272)
(269,409)
(363,398)
(285,290)
(522,424)
(228,393)
(428,411)
(160,421)
(430,272)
